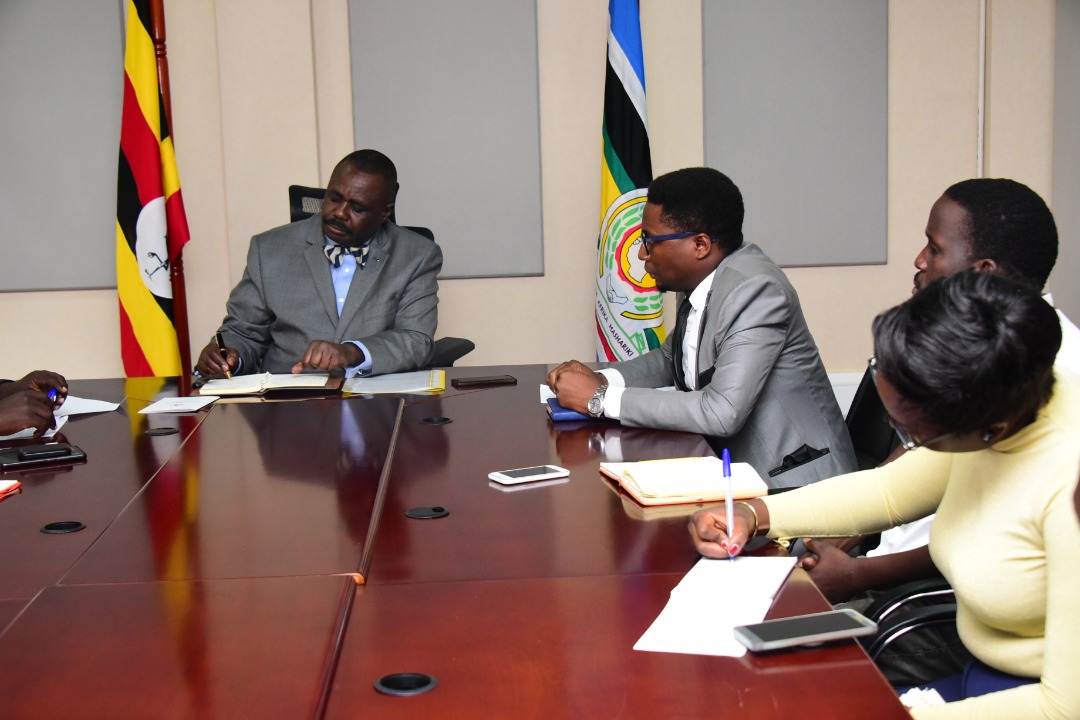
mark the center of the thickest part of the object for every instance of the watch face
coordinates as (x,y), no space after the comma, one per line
(596,406)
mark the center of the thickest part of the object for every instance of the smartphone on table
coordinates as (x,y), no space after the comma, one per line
(528,474)
(483,381)
(813,629)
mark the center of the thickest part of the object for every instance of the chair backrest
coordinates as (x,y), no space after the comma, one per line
(307,201)
(868,425)
(304,201)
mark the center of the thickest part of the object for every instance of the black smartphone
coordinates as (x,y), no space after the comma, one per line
(32,455)
(483,381)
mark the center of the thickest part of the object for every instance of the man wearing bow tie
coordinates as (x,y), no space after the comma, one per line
(344,290)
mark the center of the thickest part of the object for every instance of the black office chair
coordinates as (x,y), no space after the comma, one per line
(915,607)
(873,439)
(868,425)
(307,201)
(911,608)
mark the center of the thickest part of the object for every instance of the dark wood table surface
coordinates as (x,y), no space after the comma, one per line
(122,459)
(263,489)
(579,527)
(248,565)
(243,648)
(561,647)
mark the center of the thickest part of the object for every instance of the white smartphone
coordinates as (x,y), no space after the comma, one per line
(528,474)
(813,629)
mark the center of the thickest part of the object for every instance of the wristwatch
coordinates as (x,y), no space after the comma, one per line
(596,402)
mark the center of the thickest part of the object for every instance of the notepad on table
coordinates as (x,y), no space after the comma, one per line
(683,480)
(558,413)
(259,383)
(419,381)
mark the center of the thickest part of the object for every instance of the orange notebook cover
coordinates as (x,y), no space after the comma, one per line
(684,480)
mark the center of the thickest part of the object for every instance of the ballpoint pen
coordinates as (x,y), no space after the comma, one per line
(221,347)
(725,456)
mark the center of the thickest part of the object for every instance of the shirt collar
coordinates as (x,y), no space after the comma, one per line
(700,294)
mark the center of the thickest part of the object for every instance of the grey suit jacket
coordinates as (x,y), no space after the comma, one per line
(286,299)
(768,394)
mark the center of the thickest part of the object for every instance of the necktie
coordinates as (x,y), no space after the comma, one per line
(677,343)
(336,254)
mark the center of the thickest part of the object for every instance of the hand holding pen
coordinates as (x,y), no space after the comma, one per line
(224,355)
(54,385)
(717,536)
(729,501)
(25,406)
(216,360)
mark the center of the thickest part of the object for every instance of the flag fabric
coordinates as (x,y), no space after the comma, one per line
(151,227)
(629,309)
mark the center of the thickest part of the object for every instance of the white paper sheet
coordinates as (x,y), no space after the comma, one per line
(29,432)
(79,406)
(178,404)
(713,598)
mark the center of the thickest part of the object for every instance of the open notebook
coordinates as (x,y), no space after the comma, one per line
(259,383)
(684,480)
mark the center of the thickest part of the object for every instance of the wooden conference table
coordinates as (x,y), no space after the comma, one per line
(257,561)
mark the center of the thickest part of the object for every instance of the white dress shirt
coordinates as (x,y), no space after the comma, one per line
(691,341)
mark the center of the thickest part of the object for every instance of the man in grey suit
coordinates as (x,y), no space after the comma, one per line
(748,372)
(345,290)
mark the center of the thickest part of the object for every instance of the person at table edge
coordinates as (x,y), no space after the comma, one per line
(346,289)
(748,370)
(994,225)
(965,369)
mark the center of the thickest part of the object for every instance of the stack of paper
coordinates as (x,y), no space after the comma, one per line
(684,480)
(421,381)
(711,600)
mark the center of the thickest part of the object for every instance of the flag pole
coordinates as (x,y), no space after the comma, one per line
(176,265)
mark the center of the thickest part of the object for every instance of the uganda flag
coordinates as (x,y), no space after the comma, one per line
(629,309)
(151,228)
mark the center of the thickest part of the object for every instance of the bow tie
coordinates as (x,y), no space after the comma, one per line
(336,254)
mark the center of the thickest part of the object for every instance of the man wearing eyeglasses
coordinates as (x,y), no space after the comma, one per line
(746,370)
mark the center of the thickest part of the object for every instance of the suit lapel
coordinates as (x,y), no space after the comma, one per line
(320,269)
(705,351)
(365,279)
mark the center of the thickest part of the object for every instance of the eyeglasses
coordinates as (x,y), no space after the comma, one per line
(907,441)
(649,241)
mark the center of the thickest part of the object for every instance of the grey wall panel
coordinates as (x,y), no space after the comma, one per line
(61,84)
(450,91)
(1066,158)
(796,114)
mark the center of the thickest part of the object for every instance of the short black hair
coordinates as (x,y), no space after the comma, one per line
(970,350)
(701,199)
(372,162)
(1010,224)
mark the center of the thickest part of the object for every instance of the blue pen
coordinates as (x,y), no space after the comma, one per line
(725,456)
(53,395)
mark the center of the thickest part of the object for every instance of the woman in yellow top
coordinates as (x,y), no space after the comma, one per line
(965,371)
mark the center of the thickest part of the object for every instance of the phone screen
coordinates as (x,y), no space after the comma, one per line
(529,471)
